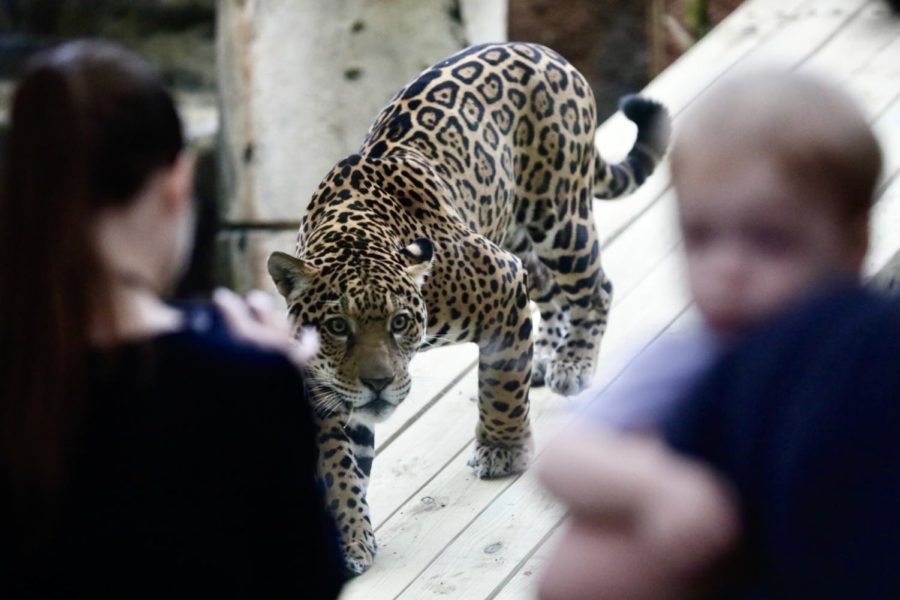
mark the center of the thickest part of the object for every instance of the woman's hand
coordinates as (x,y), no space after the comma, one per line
(255,320)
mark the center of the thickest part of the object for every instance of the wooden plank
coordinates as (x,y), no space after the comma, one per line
(523,582)
(496,540)
(884,239)
(875,84)
(887,130)
(424,449)
(863,60)
(884,233)
(888,278)
(851,51)
(753,27)
(426,523)
(649,308)
(816,26)
(642,246)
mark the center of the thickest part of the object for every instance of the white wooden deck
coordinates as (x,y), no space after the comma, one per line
(441,531)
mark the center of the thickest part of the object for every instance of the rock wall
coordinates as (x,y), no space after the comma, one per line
(300,81)
(604,39)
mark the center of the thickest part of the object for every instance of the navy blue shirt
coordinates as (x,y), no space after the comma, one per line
(804,419)
(195,475)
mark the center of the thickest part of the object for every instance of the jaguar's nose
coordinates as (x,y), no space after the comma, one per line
(376,385)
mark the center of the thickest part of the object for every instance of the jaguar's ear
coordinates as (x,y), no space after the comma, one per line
(291,275)
(419,257)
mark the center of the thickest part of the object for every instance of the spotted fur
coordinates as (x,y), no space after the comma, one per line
(471,194)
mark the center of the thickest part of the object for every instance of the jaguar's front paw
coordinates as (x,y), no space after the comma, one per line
(569,377)
(359,554)
(492,462)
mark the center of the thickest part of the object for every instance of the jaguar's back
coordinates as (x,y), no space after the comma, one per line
(509,127)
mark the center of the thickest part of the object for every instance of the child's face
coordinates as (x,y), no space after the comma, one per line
(756,240)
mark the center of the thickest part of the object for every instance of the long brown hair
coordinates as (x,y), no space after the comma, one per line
(90,123)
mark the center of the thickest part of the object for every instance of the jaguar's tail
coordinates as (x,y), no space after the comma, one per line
(654,128)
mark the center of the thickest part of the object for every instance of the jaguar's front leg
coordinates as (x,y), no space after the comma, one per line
(503,443)
(345,459)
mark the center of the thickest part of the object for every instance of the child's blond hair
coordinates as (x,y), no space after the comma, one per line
(806,127)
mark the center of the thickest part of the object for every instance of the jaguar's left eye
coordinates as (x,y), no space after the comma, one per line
(399,323)
(338,326)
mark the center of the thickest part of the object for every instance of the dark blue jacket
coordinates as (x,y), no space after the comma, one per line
(804,419)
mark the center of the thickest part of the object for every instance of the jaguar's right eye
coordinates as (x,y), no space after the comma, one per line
(399,323)
(338,326)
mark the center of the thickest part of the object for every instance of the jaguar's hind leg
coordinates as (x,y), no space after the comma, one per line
(545,292)
(583,294)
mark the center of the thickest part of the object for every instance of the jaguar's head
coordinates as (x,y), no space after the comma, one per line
(367,304)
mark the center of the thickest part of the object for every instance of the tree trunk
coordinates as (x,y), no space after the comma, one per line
(300,82)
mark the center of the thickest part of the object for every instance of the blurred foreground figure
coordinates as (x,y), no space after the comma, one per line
(775,175)
(144,452)
(803,418)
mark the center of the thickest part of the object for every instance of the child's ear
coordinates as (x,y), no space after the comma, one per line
(179,182)
(291,275)
(419,257)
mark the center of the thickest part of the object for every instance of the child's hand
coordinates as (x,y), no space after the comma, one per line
(255,320)
(646,523)
(693,511)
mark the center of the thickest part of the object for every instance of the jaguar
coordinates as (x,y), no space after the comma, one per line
(469,199)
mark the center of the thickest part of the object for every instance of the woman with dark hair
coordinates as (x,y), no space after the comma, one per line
(143,450)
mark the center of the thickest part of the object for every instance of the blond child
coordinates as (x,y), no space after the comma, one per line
(774,174)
